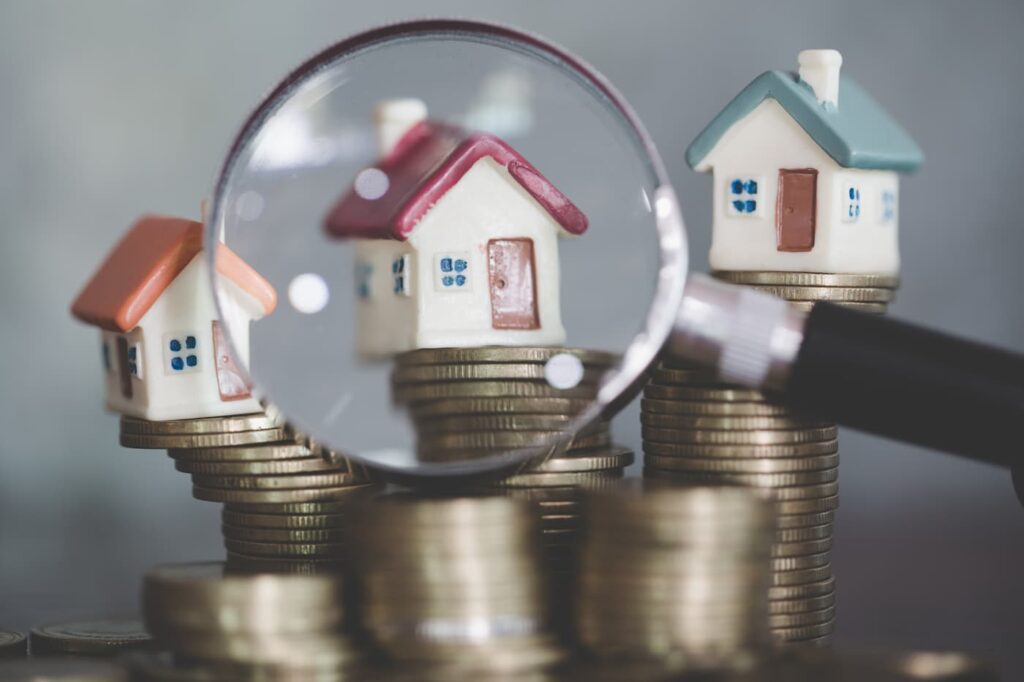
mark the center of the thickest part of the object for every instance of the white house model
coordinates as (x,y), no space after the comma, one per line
(805,174)
(455,239)
(165,354)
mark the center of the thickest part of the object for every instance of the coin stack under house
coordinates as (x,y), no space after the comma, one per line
(211,624)
(696,429)
(468,403)
(452,586)
(283,499)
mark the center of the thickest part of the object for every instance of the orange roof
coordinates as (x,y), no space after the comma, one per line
(145,262)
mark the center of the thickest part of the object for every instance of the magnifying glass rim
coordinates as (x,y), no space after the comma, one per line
(673,263)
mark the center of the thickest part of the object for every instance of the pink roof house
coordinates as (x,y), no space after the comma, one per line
(455,239)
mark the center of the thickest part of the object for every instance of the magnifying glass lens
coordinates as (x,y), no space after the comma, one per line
(460,233)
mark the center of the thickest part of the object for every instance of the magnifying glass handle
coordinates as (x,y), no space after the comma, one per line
(869,372)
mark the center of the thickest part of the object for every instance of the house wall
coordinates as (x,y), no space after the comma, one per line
(487,203)
(185,308)
(758,146)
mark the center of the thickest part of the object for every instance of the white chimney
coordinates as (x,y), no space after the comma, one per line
(820,70)
(394,118)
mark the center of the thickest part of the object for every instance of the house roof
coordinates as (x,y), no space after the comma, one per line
(428,161)
(857,133)
(145,262)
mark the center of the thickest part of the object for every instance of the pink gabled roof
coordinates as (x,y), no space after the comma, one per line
(428,161)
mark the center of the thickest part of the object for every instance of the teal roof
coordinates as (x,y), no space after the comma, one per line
(857,133)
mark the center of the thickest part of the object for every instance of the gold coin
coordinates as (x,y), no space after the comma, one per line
(288,549)
(801,548)
(798,563)
(770,465)
(201,440)
(327,479)
(803,492)
(66,669)
(802,605)
(240,422)
(504,422)
(583,479)
(708,394)
(681,421)
(674,376)
(740,450)
(307,566)
(801,576)
(342,502)
(802,520)
(496,406)
(812,506)
(488,389)
(588,460)
(290,521)
(708,437)
(243,496)
(255,453)
(517,439)
(287,535)
(796,620)
(805,632)
(853,294)
(257,467)
(807,279)
(804,591)
(13,644)
(873,308)
(805,533)
(437,356)
(652,407)
(413,374)
(103,637)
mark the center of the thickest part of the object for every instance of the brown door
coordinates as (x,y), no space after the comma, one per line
(796,209)
(513,284)
(123,372)
(230,380)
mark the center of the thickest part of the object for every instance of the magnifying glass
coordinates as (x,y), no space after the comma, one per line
(478,255)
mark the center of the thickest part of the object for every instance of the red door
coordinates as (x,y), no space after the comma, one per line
(230,379)
(796,209)
(512,284)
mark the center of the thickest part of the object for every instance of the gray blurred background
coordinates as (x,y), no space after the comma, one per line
(111,109)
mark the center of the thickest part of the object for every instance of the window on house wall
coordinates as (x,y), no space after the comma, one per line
(181,352)
(851,203)
(135,360)
(743,195)
(452,272)
(888,205)
(364,278)
(401,272)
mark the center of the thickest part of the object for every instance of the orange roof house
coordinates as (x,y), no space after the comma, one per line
(164,350)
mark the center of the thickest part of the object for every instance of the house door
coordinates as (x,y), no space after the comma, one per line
(796,209)
(123,372)
(230,381)
(513,286)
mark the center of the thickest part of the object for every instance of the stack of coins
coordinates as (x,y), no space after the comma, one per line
(453,585)
(13,644)
(677,576)
(214,625)
(106,637)
(697,429)
(283,498)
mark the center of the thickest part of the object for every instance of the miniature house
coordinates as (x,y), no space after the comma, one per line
(455,239)
(805,174)
(165,354)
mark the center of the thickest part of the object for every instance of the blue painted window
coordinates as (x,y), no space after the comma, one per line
(181,352)
(851,203)
(364,275)
(452,271)
(135,360)
(401,274)
(888,205)
(744,196)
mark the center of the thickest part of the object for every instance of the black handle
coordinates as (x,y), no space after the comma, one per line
(908,383)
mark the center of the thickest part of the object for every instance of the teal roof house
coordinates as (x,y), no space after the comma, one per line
(806,169)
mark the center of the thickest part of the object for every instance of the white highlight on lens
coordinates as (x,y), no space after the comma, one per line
(563,371)
(249,205)
(372,183)
(308,293)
